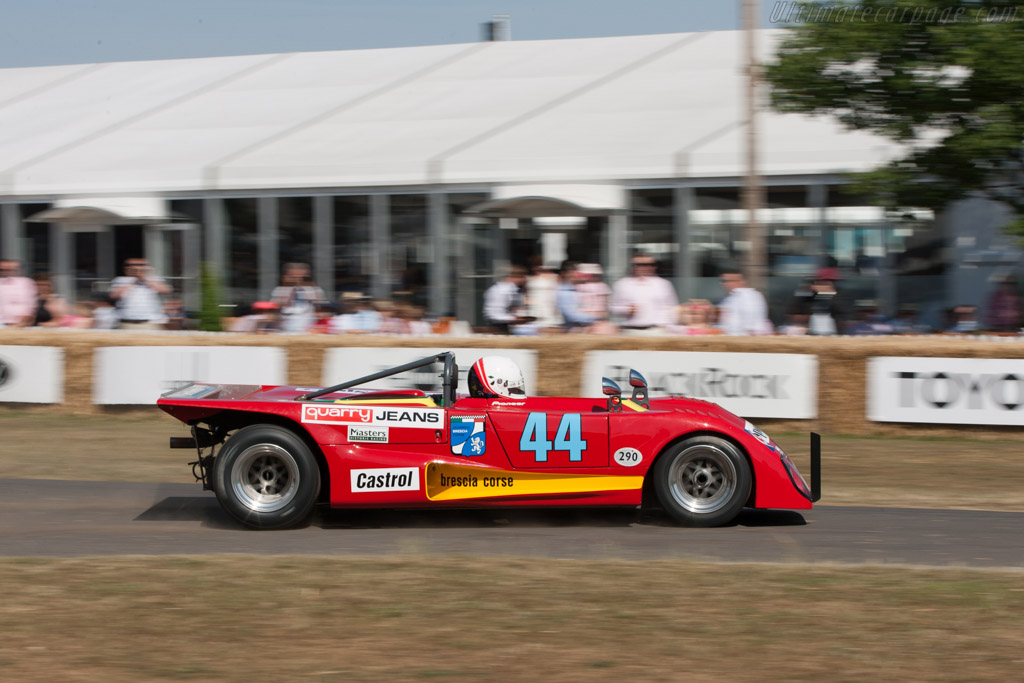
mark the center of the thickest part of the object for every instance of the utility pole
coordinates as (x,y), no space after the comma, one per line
(756,266)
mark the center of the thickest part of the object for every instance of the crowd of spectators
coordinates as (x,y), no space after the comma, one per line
(572,299)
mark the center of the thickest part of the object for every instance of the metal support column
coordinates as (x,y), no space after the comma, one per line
(682,201)
(380,241)
(618,246)
(155,251)
(440,272)
(190,291)
(266,210)
(817,198)
(323,244)
(216,238)
(61,258)
(12,232)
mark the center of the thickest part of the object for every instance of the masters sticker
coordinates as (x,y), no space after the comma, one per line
(361,434)
(468,438)
(627,457)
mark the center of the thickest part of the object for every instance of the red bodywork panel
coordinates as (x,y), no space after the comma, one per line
(399,449)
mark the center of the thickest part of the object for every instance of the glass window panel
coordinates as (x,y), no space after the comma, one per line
(652,228)
(36,248)
(353,265)
(241,217)
(295,230)
(410,252)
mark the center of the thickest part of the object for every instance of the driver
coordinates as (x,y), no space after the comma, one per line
(496,377)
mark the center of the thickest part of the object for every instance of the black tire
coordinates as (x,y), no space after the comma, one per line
(266,477)
(702,481)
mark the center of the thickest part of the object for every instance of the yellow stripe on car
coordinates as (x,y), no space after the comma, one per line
(461,482)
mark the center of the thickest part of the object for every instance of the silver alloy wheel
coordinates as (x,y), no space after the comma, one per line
(265,477)
(702,479)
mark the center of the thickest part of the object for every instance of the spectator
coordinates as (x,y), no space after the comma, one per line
(743,311)
(174,310)
(825,313)
(136,295)
(868,320)
(104,313)
(504,302)
(696,317)
(541,288)
(415,325)
(1004,306)
(965,320)
(568,299)
(18,299)
(594,291)
(262,317)
(358,315)
(297,298)
(644,300)
(51,310)
(905,321)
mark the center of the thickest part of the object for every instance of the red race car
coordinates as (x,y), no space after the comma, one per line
(271,453)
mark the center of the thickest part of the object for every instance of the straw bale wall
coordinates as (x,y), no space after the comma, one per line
(841,382)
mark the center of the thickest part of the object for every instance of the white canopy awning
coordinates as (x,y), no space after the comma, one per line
(555,112)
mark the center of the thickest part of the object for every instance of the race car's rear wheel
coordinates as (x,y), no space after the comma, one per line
(703,481)
(266,477)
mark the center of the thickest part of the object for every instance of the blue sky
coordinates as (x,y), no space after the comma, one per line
(45,32)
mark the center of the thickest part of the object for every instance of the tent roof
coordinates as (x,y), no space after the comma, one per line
(583,110)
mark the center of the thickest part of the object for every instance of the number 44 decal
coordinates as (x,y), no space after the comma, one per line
(568,437)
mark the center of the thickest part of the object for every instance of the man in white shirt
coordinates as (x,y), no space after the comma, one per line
(644,301)
(297,298)
(743,311)
(504,303)
(136,294)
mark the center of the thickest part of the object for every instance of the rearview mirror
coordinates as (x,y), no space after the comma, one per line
(614,394)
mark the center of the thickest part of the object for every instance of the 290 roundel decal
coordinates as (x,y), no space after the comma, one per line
(627,457)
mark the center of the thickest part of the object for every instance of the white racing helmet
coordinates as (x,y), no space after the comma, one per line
(496,377)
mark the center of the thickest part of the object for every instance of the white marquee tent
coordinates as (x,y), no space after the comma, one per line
(559,111)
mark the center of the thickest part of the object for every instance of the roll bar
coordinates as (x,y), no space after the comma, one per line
(449,377)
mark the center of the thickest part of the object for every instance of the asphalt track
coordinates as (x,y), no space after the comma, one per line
(48,518)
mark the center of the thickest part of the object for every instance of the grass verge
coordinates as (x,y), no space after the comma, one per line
(423,618)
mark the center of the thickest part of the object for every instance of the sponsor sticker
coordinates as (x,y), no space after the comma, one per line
(446,481)
(376,416)
(757,434)
(628,457)
(468,438)
(361,434)
(386,479)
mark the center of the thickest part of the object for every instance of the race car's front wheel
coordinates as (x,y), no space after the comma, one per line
(266,477)
(703,481)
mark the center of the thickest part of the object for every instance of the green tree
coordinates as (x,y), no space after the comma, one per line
(945,79)
(209,315)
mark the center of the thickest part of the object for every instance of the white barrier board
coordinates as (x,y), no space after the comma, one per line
(31,374)
(977,391)
(344,364)
(779,385)
(137,375)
